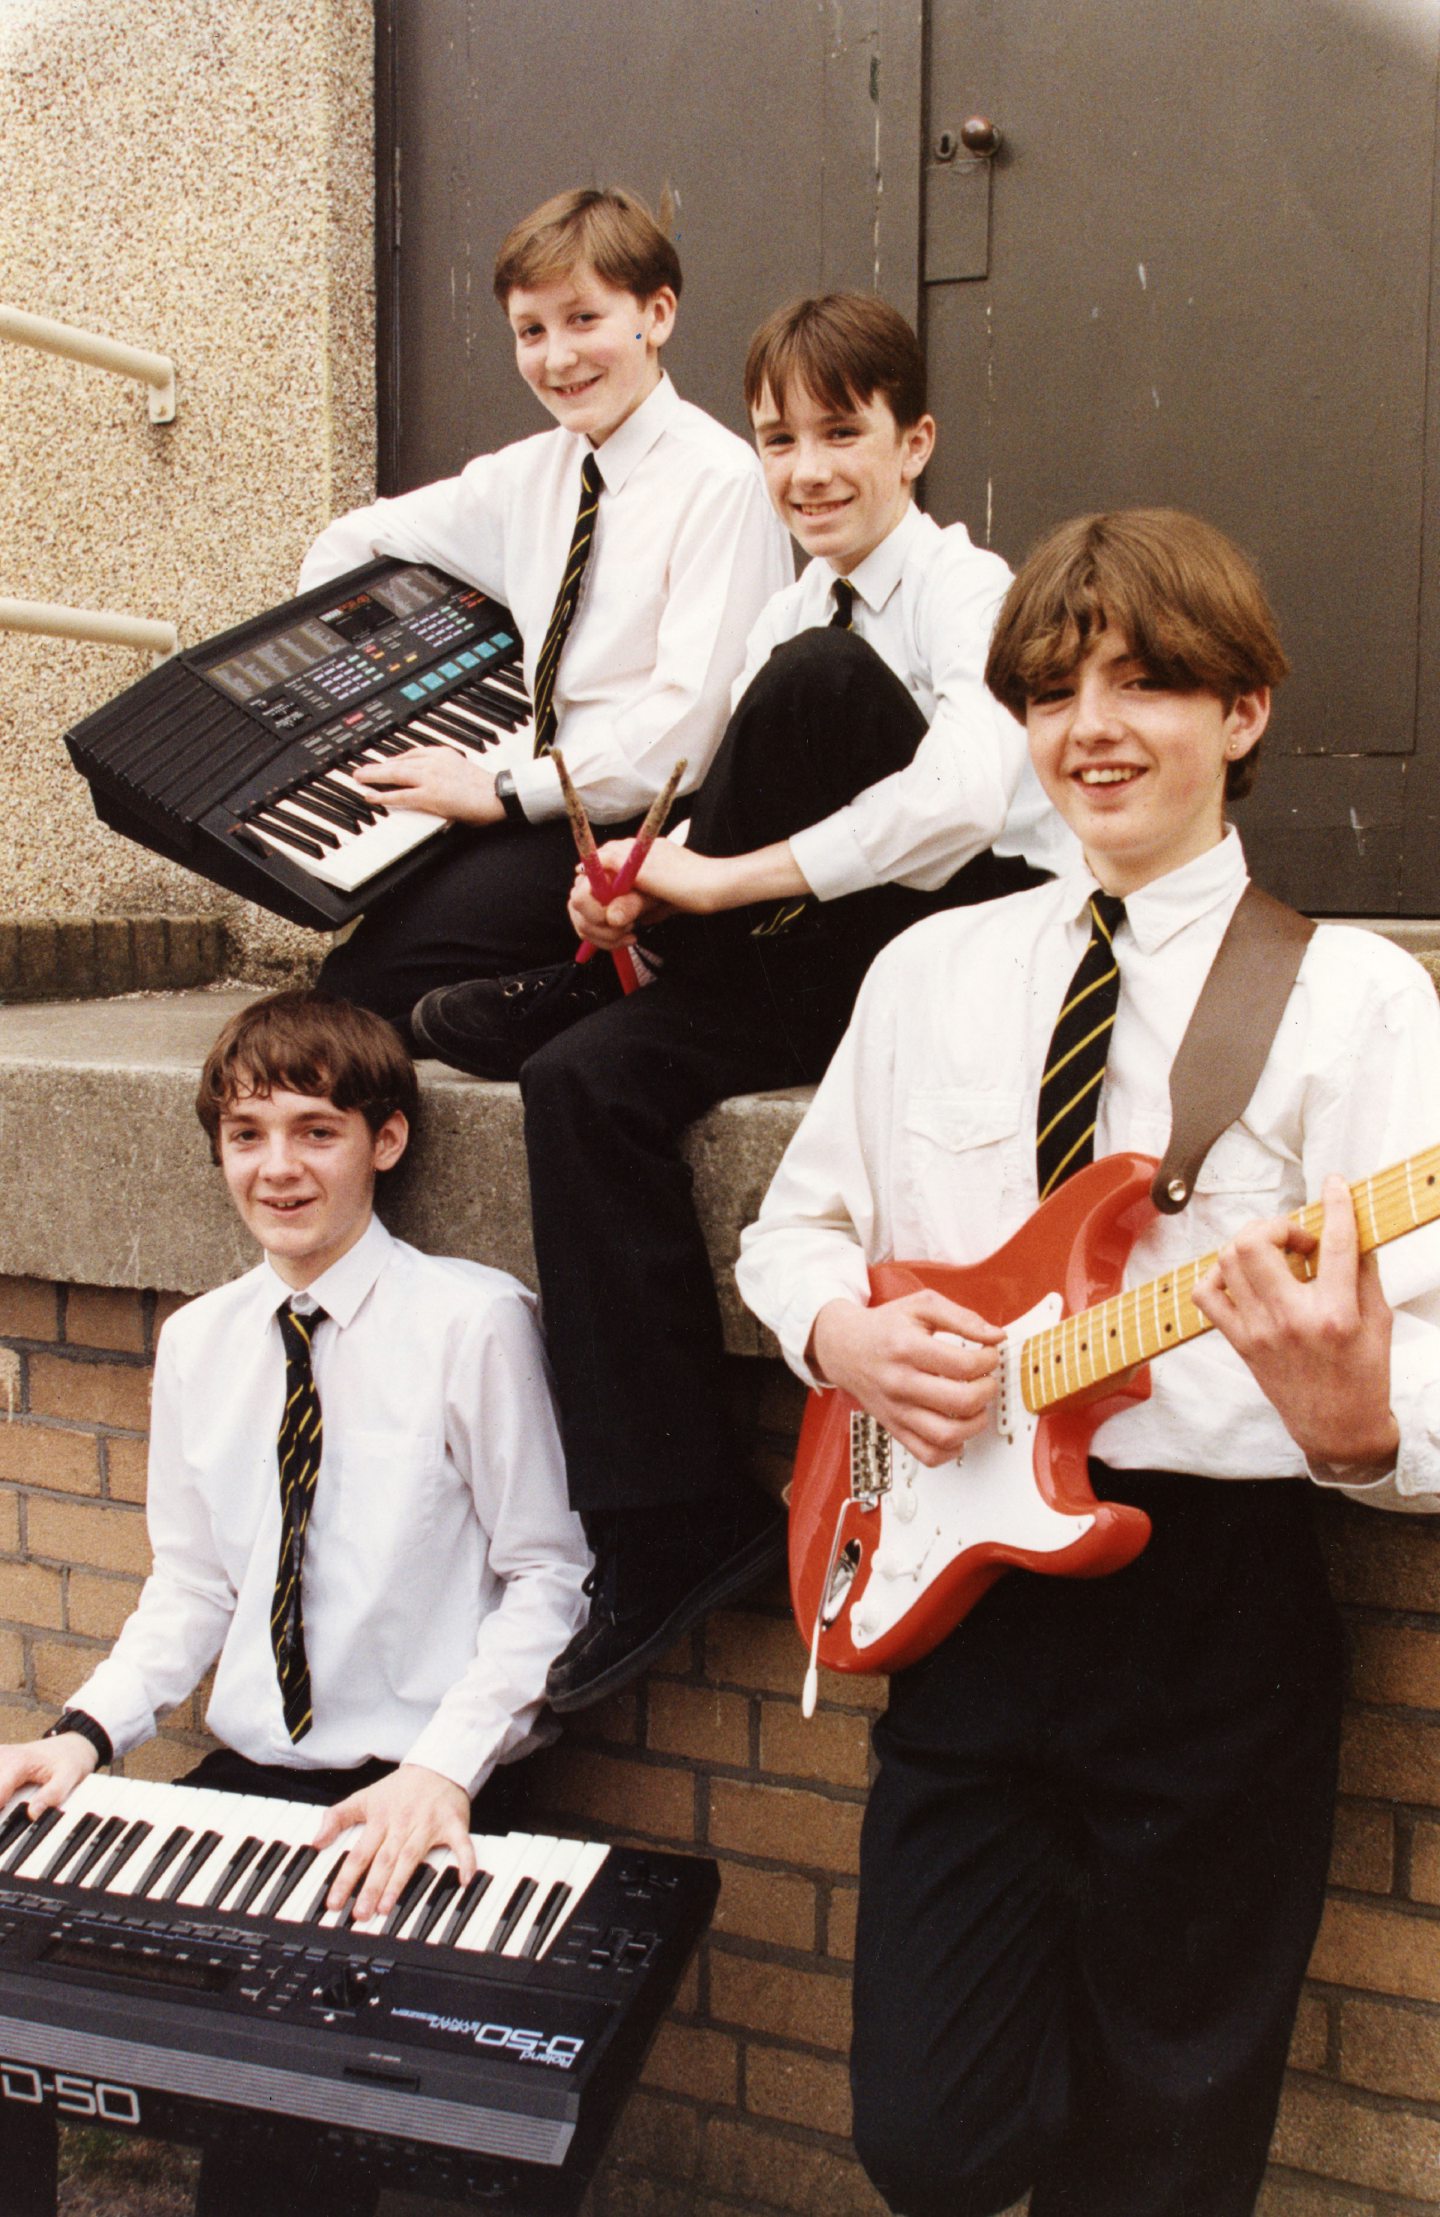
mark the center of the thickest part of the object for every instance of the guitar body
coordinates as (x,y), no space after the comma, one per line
(893,1572)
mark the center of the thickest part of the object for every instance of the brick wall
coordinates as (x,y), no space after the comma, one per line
(744,2104)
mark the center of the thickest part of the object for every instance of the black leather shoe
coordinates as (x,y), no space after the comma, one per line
(616,1645)
(491,1025)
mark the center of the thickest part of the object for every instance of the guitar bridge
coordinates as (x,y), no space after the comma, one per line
(869,1460)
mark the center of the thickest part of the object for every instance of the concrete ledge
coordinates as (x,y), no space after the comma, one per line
(107,1180)
(72,958)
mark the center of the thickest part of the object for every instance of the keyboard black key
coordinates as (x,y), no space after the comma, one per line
(18,1821)
(164,1856)
(266,822)
(441,1893)
(515,1909)
(193,1864)
(74,1839)
(105,1838)
(136,1837)
(269,1862)
(37,1830)
(466,1907)
(419,1882)
(316,1909)
(540,1931)
(287,1882)
(239,1862)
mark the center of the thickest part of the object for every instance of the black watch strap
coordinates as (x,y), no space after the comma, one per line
(508,798)
(76,1720)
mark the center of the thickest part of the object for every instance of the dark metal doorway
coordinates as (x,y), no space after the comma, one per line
(1198,271)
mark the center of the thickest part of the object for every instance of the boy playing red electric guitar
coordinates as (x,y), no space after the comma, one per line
(1095,1851)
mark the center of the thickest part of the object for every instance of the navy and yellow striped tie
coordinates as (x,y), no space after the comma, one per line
(298,1452)
(1075,1063)
(563,613)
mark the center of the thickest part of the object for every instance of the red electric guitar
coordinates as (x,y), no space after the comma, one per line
(886,1556)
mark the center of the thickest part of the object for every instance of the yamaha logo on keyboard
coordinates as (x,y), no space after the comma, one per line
(561,2051)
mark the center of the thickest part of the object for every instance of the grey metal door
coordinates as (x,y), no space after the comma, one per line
(1207,282)
(762,116)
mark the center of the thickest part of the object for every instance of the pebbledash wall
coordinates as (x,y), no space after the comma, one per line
(196,177)
(744,2102)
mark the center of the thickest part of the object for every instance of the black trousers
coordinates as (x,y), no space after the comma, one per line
(491,901)
(1092,1868)
(631,1315)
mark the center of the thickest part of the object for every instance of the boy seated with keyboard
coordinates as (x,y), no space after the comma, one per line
(634,546)
(1095,1850)
(356,1502)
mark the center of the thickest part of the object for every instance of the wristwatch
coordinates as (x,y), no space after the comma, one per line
(76,1720)
(508,798)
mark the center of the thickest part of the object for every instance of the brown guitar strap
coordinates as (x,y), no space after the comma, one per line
(1229,1037)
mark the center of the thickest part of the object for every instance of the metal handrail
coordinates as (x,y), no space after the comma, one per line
(98,624)
(155,370)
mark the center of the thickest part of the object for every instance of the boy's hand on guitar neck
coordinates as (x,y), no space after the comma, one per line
(1320,1348)
(922,1366)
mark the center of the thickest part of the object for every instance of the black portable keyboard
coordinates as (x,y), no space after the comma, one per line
(167,1966)
(234,757)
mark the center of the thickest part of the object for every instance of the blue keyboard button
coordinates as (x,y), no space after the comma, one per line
(413,692)
(449,669)
(503,639)
(467,660)
(431,680)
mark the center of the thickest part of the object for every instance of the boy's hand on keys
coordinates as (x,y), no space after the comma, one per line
(440,780)
(403,1817)
(1319,1350)
(53,1767)
(923,1366)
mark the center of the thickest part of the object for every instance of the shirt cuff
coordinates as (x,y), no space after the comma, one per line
(537,788)
(468,1758)
(830,858)
(115,1699)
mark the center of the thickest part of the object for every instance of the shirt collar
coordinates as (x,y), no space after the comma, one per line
(1158,910)
(633,439)
(876,578)
(340,1290)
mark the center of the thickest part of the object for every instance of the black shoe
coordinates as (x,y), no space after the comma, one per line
(617,1643)
(491,1025)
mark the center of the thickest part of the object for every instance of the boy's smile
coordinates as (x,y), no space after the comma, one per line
(301,1173)
(1135,765)
(840,480)
(588,351)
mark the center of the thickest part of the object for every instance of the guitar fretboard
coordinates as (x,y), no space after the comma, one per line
(1102,1342)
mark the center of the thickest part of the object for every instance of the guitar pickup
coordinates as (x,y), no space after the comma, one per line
(870,1445)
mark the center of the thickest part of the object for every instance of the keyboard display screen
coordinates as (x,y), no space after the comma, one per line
(151,1966)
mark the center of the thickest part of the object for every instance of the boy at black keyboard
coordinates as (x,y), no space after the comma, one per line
(635,547)
(356,1500)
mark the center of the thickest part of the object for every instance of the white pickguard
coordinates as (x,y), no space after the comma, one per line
(929,1517)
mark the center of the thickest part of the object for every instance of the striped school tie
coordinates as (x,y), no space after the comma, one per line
(298,1452)
(1075,1063)
(562,615)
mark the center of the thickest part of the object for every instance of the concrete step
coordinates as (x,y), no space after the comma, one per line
(107,1177)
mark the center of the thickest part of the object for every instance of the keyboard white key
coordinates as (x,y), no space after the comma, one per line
(362,854)
(531,1884)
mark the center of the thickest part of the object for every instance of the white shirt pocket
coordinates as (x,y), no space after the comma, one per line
(965,1158)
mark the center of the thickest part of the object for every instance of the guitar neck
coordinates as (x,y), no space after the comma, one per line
(1102,1342)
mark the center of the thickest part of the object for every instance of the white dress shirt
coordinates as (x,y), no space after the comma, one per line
(443,1566)
(687,550)
(921,1140)
(926,601)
